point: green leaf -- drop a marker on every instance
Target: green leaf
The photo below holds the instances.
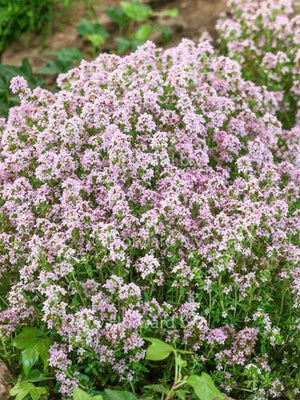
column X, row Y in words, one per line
column 35, row 346
column 143, row 32
column 66, row 59
column 136, row 11
column 123, row 45
column 180, row 362
column 117, row 16
column 182, row 394
column 52, row 68
column 23, row 389
column 96, row 40
column 166, row 32
column 158, row 350
column 135, row 43
column 87, row 28
column 158, row 388
column 80, row 394
column 118, row 395
column 26, row 67
column 69, row 54
column 171, row 12
column 36, row 376
column 204, row 387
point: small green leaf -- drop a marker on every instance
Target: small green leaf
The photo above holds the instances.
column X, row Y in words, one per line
column 96, row 40
column 166, row 32
column 80, row 394
column 123, row 45
column 181, row 394
column 117, row 16
column 171, row 12
column 52, row 68
column 204, row 387
column 136, row 11
column 158, row 388
column 158, row 350
column 87, row 28
column 69, row 54
column 24, row 389
column 67, row 57
column 143, row 32
column 118, row 395
column 180, row 362
column 34, row 345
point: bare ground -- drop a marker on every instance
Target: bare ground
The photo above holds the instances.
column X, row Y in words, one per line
column 195, row 17
column 5, row 378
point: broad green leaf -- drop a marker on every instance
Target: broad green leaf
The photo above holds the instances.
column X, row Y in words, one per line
column 158, row 388
column 80, row 394
column 158, row 350
column 34, row 345
column 117, row 16
column 143, row 32
column 136, row 11
column 36, row 376
column 118, row 395
column 23, row 389
column 204, row 387
column 90, row 28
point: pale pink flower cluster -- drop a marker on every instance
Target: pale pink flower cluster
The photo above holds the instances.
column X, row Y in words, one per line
column 153, row 195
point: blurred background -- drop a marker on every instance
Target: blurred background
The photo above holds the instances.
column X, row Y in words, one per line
column 41, row 38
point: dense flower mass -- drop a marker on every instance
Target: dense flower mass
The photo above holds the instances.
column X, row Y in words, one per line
column 264, row 37
column 154, row 195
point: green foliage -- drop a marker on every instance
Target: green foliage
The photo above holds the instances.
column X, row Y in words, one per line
column 118, row 16
column 136, row 10
column 35, row 346
column 158, row 350
column 109, row 394
column 80, row 394
column 93, row 32
column 129, row 16
column 87, row 28
column 7, row 72
column 166, row 32
column 157, row 388
column 171, row 12
column 24, row 389
column 67, row 57
column 204, row 387
column 19, row 16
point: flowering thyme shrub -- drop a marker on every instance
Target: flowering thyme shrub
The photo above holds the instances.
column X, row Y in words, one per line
column 264, row 37
column 154, row 195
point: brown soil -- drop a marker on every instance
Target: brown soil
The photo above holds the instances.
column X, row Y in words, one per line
column 195, row 17
column 5, row 378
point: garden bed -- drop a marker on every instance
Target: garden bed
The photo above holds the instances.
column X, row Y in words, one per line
column 195, row 17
